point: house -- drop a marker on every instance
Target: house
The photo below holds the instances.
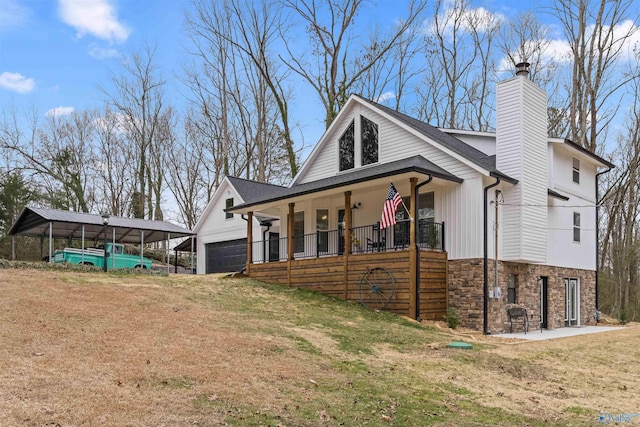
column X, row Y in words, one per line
column 489, row 221
column 221, row 244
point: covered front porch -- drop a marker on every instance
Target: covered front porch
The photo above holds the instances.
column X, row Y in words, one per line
column 326, row 236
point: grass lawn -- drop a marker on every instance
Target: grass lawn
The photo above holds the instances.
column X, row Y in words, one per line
column 95, row 349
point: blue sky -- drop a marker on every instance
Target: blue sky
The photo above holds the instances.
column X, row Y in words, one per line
column 56, row 54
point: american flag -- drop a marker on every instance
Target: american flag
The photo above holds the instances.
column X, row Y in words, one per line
column 390, row 207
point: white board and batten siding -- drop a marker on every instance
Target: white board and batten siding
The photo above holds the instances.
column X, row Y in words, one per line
column 460, row 209
column 521, row 153
column 214, row 227
column 395, row 143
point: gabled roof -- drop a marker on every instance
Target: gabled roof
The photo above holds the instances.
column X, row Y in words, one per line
column 246, row 189
column 444, row 139
column 34, row 221
column 253, row 190
column 416, row 164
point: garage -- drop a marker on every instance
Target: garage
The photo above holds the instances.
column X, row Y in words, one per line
column 225, row 257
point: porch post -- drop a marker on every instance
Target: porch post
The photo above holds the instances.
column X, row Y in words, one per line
column 413, row 252
column 290, row 241
column 347, row 241
column 249, row 242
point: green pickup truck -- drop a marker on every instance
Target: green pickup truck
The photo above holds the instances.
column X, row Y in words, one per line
column 116, row 258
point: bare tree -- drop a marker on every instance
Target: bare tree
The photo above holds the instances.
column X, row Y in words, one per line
column 117, row 173
column 237, row 33
column 60, row 154
column 338, row 62
column 597, row 37
column 459, row 49
column 185, row 162
column 139, row 99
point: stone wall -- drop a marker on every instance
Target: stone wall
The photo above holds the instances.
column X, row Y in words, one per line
column 465, row 293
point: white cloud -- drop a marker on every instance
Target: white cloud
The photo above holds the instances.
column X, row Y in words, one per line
column 103, row 53
column 95, row 17
column 12, row 14
column 466, row 20
column 17, row 82
column 558, row 51
column 385, row 97
column 59, row 111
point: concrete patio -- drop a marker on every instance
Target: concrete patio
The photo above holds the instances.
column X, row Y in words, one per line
column 547, row 334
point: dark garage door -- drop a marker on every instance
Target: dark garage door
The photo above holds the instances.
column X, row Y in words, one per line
column 225, row 257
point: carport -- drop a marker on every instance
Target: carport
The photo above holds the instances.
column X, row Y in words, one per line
column 59, row 224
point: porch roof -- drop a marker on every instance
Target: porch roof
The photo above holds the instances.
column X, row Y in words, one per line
column 415, row 164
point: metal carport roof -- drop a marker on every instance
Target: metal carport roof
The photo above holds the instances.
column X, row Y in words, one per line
column 35, row 221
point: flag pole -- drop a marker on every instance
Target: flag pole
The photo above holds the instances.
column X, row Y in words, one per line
column 408, row 211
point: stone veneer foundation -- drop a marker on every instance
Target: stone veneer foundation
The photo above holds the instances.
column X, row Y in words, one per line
column 465, row 293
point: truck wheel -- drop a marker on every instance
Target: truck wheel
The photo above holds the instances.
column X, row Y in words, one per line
column 144, row 267
column 45, row 259
column 87, row 263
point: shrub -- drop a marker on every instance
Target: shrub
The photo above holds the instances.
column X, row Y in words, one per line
column 452, row 318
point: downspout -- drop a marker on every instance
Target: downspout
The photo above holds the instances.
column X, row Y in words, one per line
column 267, row 224
column 597, row 314
column 485, row 287
column 417, row 233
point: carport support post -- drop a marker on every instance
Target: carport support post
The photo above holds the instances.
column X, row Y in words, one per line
column 50, row 241
column 290, row 241
column 168, row 254
column 113, row 259
column 249, row 242
column 142, row 247
column 13, row 248
column 347, row 241
column 191, row 264
column 82, row 244
column 413, row 251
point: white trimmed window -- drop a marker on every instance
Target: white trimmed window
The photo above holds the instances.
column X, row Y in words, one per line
column 576, row 171
column 228, row 204
column 576, row 227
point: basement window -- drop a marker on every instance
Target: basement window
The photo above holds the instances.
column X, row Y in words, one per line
column 512, row 285
column 576, row 171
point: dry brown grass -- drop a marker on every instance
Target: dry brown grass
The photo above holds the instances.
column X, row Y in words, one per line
column 92, row 349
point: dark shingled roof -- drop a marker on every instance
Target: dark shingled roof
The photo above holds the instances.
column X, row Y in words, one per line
column 34, row 221
column 454, row 144
column 413, row 164
column 251, row 191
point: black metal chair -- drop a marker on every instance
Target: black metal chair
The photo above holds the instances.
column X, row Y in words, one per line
column 377, row 246
column 518, row 314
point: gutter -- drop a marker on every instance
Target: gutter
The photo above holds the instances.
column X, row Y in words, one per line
column 416, row 232
column 485, row 286
column 597, row 314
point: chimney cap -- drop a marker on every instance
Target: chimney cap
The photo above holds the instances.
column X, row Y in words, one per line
column 522, row 68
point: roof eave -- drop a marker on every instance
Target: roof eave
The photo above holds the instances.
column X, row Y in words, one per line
column 503, row 177
column 593, row 156
column 409, row 169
